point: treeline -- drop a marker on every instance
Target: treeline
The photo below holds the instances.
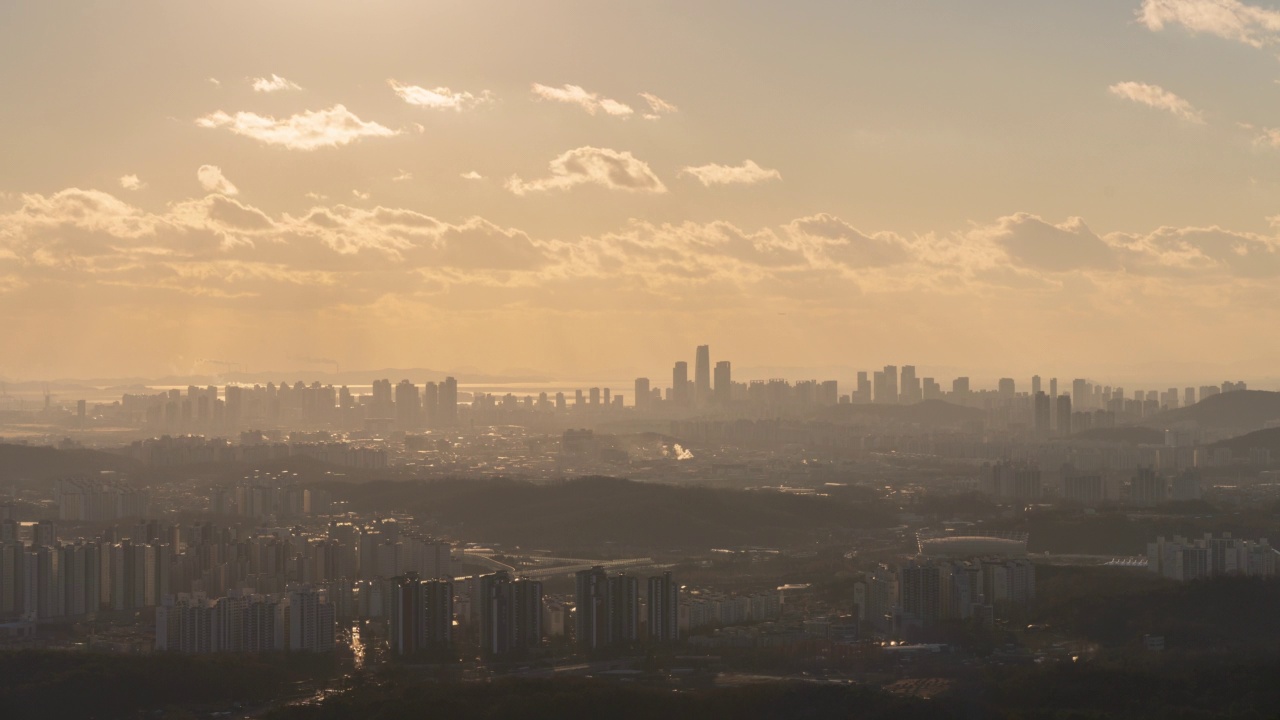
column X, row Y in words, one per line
column 41, row 684
column 586, row 512
column 570, row 698
column 1115, row 607
column 1172, row 687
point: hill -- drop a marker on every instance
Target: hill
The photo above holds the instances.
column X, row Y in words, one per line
column 1127, row 435
column 1268, row 439
column 586, row 512
column 1235, row 412
column 31, row 462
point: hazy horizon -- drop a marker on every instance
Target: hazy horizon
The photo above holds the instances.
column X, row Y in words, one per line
column 578, row 188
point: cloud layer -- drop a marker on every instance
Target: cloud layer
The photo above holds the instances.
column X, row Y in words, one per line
column 1158, row 98
column 308, row 130
column 1228, row 19
column 593, row 166
column 275, row 83
column 212, row 180
column 589, row 101
column 441, row 98
column 748, row 173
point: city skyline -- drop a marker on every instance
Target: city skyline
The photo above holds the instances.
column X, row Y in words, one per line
column 1057, row 186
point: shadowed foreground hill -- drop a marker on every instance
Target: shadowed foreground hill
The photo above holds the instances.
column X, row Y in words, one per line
column 1268, row 439
column 31, row 462
column 593, row 510
column 1237, row 412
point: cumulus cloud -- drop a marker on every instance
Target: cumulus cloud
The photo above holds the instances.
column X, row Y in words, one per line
column 360, row 195
column 848, row 246
column 472, row 175
column 593, row 166
column 1157, row 97
column 441, row 98
column 748, row 173
column 1269, row 137
column 1228, row 19
column 657, row 106
column 589, row 101
column 1034, row 243
column 131, row 182
column 215, row 82
column 212, row 180
column 275, row 83
column 402, row 176
column 307, row 130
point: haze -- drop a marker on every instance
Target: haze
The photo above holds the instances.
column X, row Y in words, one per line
column 576, row 186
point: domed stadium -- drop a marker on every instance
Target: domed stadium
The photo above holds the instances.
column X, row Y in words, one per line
column 963, row 546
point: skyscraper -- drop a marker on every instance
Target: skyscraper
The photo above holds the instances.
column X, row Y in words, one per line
column 702, row 375
column 510, row 613
column 680, row 383
column 449, row 402
column 663, row 609
column 724, row 383
column 890, row 380
column 910, row 392
column 642, row 394
column 1042, row 413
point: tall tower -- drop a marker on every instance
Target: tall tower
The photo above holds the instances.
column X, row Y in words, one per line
column 680, row 383
column 702, row 375
column 642, row 393
column 724, row 383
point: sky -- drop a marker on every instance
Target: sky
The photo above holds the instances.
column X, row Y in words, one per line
column 590, row 187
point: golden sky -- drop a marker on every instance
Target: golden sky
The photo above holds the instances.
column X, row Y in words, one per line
column 575, row 188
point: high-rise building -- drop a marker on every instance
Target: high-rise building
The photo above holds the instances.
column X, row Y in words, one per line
column 724, row 383
column 642, row 394
column 408, row 405
column 890, row 383
column 1147, row 488
column 1035, row 385
column 1062, row 409
column 608, row 609
column 510, row 614
column 702, row 375
column 863, row 394
column 910, row 392
column 311, row 620
column 1042, row 413
column 663, row 609
column 680, row 383
column 421, row 615
column 1006, row 388
column 448, row 411
column 960, row 389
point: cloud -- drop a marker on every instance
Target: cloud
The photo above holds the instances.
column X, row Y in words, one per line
column 212, row 180
column 1270, row 137
column 215, row 82
column 1227, row 19
column 275, row 83
column 593, row 166
column 748, row 173
column 472, row 175
column 589, row 101
column 1157, row 97
column 1033, row 243
column 845, row 245
column 360, row 195
column 403, row 176
column 307, row 130
column 658, row 105
column 131, row 182
column 441, row 98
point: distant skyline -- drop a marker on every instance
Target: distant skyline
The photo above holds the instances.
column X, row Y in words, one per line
column 582, row 188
